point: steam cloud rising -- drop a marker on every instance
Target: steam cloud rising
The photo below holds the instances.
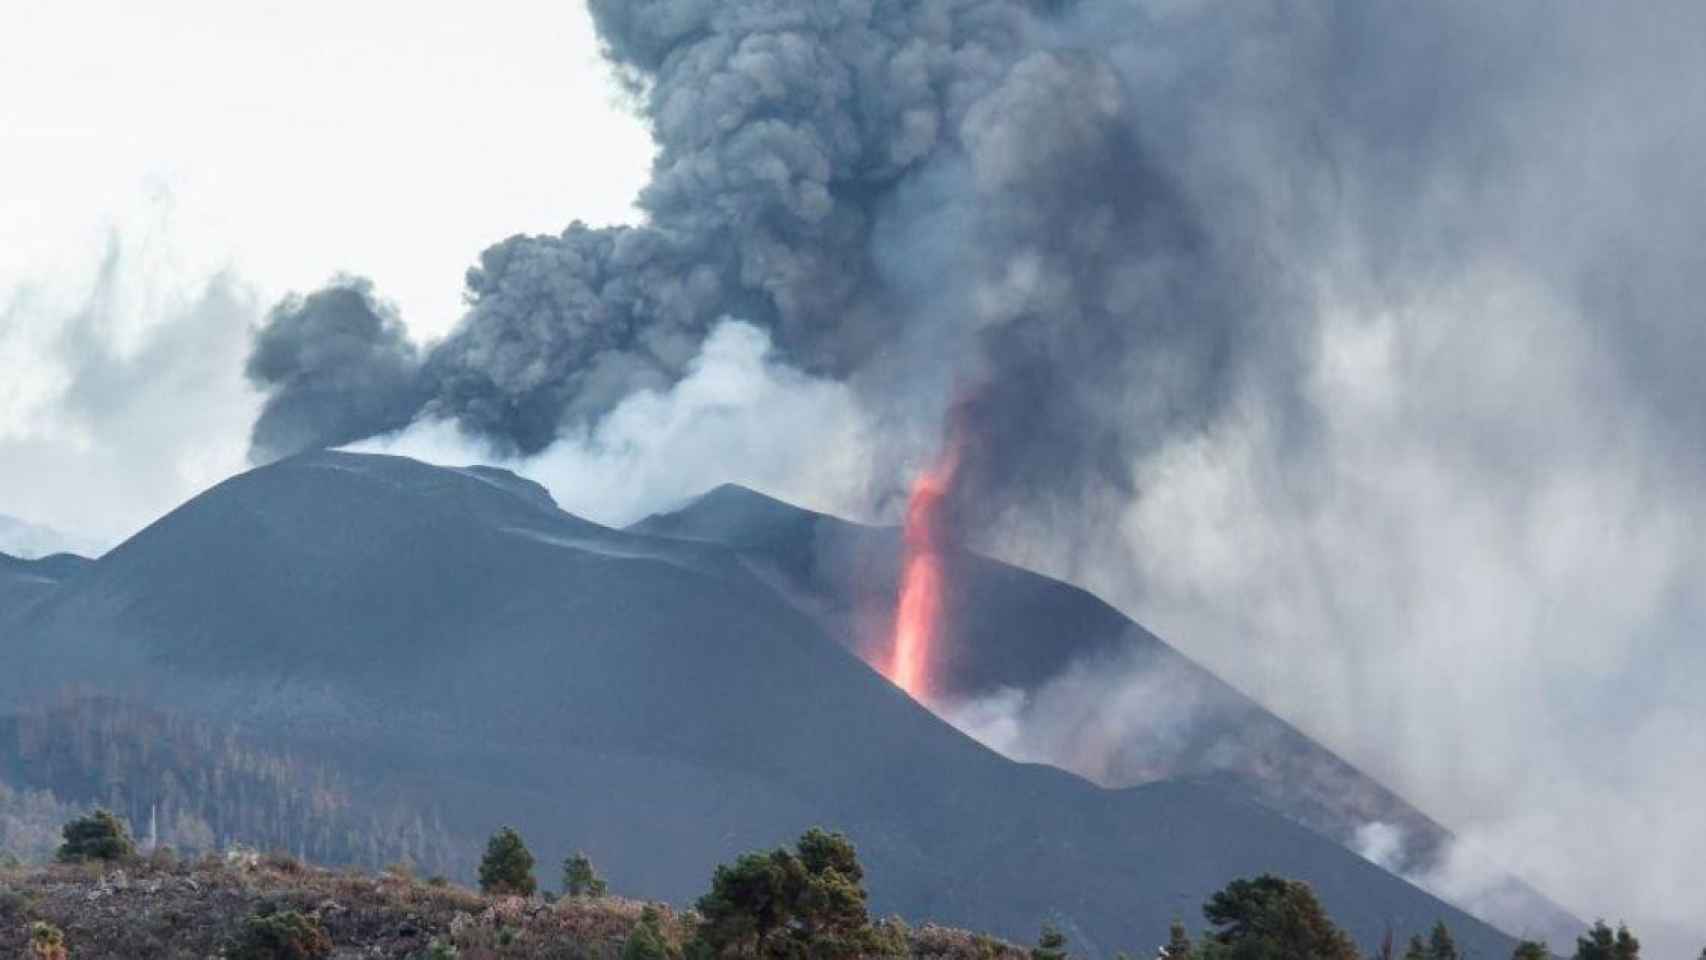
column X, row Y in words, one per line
column 1353, row 345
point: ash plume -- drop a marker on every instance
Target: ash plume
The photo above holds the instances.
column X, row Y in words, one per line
column 1352, row 344
column 338, row 367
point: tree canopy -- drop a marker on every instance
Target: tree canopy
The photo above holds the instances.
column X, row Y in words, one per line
column 1272, row 918
column 1601, row 943
column 99, row 836
column 805, row 902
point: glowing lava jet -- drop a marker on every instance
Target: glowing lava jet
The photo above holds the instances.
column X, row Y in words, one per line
column 918, row 611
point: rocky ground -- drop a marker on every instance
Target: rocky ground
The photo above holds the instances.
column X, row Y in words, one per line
column 166, row 909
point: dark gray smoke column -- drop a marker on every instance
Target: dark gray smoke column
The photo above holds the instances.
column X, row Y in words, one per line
column 869, row 182
column 339, row 368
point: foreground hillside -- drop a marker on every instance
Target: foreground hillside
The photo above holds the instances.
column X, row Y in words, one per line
column 453, row 651
column 162, row 908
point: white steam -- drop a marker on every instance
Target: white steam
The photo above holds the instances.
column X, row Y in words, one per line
column 737, row 416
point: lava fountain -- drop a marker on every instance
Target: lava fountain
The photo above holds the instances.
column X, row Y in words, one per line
column 918, row 610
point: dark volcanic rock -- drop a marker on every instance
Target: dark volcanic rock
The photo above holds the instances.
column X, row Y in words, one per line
column 662, row 703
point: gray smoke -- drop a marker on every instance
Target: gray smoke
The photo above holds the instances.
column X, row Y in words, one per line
column 1352, row 343
column 881, row 187
column 339, row 367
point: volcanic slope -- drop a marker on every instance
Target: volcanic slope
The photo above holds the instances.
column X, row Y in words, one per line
column 23, row 582
column 1074, row 682
column 453, row 637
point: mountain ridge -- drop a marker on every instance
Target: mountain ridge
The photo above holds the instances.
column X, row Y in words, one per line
column 484, row 655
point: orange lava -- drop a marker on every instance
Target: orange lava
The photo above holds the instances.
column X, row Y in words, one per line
column 918, row 613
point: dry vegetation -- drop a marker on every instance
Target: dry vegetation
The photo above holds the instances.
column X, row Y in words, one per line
column 166, row 908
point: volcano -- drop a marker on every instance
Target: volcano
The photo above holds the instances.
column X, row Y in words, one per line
column 663, row 697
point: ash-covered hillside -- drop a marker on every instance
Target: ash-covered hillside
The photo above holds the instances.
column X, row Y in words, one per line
column 449, row 640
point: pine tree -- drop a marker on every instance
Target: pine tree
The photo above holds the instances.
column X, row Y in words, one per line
column 1532, row 950
column 1272, row 917
column 1051, row 945
column 507, row 867
column 581, row 879
column 1601, row 943
column 645, row 941
column 1179, row 946
column 1417, row 950
column 1441, row 946
column 789, row 903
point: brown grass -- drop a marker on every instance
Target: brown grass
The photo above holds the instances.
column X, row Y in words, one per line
column 165, row 909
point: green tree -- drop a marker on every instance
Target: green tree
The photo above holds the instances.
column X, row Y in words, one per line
column 1051, row 945
column 1272, row 918
column 99, row 836
column 507, row 867
column 809, row 902
column 1601, row 943
column 646, row 940
column 1417, row 950
column 1532, row 950
column 581, row 879
column 1441, row 945
column 282, row 936
column 1179, row 946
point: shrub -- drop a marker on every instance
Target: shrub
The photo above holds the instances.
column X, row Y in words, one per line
column 580, row 879
column 47, row 942
column 283, row 862
column 282, row 936
column 507, row 867
column 14, row 906
column 1051, row 945
column 99, row 836
column 645, row 941
column 1179, row 946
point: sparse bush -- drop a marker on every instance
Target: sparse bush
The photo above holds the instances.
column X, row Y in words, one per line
column 1051, row 945
column 442, row 950
column 646, row 941
column 891, row 937
column 581, row 879
column 163, row 859
column 99, row 836
column 282, row 936
column 1179, row 946
column 507, row 867
column 14, row 906
column 283, row 862
column 47, row 942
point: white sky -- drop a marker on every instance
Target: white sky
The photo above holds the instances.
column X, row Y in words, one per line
column 284, row 142
column 297, row 139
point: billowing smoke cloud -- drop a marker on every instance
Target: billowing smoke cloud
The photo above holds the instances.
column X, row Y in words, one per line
column 339, row 366
column 1350, row 343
